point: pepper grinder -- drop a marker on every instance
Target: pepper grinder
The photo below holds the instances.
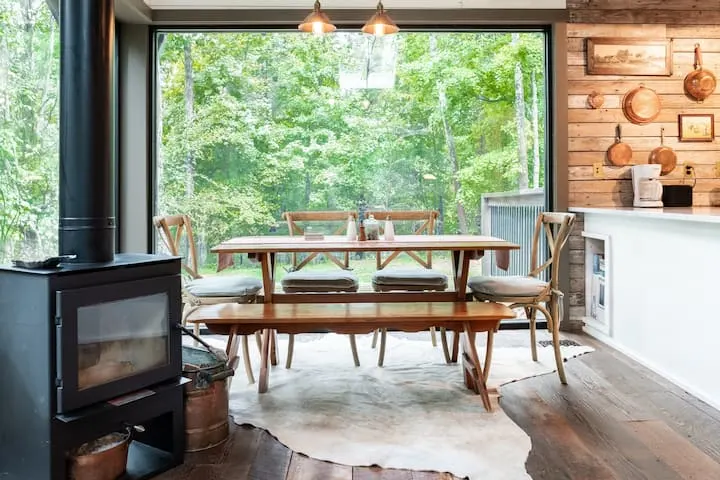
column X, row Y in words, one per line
column 361, row 233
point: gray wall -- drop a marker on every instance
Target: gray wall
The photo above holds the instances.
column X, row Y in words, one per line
column 134, row 168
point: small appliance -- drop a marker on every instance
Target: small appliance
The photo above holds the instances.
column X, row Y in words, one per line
column 647, row 189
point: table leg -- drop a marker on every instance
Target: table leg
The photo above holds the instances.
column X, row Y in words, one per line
column 474, row 375
column 461, row 272
column 267, row 263
column 264, row 357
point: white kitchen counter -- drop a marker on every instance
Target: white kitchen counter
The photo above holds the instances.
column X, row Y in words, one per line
column 662, row 286
column 691, row 214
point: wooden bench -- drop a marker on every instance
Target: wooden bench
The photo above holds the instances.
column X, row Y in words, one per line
column 461, row 317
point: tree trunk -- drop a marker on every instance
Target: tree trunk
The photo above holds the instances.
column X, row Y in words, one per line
column 189, row 118
column 536, row 134
column 520, row 121
column 159, row 157
column 450, row 142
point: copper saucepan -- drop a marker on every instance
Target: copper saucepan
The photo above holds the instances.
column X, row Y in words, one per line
column 699, row 83
column 665, row 156
column 619, row 153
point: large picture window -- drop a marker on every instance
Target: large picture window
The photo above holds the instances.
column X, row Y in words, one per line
column 29, row 111
column 253, row 124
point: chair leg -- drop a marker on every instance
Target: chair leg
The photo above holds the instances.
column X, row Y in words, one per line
column 383, row 339
column 553, row 326
column 258, row 340
column 273, row 348
column 433, row 337
column 291, row 349
column 444, row 342
column 246, row 359
column 531, row 314
column 353, row 347
column 375, row 339
column 488, row 354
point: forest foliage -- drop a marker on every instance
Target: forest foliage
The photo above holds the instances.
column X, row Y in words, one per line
column 251, row 124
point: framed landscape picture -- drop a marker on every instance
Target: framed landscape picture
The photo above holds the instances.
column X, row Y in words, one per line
column 629, row 56
column 696, row 127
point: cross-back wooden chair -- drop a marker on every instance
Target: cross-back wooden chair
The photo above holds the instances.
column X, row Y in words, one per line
column 426, row 220
column 416, row 279
column 297, row 281
column 198, row 290
column 530, row 292
column 294, row 229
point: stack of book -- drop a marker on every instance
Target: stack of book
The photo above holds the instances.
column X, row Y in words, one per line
column 597, row 296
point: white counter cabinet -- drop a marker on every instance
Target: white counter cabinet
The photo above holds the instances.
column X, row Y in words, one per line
column 663, row 290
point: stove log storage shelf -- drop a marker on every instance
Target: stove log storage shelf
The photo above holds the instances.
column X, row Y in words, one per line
column 58, row 323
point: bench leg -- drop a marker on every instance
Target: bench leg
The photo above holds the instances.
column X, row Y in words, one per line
column 474, row 375
column 375, row 338
column 264, row 358
column 433, row 337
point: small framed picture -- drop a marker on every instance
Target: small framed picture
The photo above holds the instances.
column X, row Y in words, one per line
column 629, row 56
column 696, row 127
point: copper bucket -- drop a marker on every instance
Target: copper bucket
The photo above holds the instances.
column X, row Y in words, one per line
column 101, row 459
column 206, row 397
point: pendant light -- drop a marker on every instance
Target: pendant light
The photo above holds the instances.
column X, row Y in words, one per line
column 316, row 22
column 380, row 24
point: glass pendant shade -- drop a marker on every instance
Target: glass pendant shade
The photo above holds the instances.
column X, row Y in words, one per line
column 380, row 23
column 317, row 22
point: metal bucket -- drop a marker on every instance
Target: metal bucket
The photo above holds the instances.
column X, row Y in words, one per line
column 206, row 397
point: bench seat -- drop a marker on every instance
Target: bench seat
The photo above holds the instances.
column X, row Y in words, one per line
column 466, row 317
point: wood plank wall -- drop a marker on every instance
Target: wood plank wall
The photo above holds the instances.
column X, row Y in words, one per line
column 591, row 132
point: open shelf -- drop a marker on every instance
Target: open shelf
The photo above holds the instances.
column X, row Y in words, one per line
column 597, row 283
column 146, row 462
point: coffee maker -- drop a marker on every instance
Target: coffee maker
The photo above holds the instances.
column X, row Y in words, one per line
column 647, row 189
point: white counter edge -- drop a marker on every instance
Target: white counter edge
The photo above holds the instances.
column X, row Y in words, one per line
column 686, row 214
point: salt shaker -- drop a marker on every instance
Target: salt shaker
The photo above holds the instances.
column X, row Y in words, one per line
column 389, row 230
column 351, row 229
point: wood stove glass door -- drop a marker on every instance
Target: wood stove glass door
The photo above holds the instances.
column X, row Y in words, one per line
column 114, row 339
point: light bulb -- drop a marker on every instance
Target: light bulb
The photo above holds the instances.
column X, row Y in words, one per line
column 317, row 28
column 379, row 29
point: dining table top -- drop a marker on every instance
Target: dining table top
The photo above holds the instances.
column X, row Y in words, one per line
column 339, row 243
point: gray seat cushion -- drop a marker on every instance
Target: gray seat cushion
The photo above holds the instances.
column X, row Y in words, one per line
column 510, row 286
column 414, row 279
column 309, row 282
column 224, row 286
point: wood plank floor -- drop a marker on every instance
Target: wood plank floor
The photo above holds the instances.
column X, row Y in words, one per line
column 615, row 420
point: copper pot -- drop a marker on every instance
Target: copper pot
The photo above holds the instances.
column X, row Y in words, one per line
column 641, row 105
column 102, row 459
column 699, row 83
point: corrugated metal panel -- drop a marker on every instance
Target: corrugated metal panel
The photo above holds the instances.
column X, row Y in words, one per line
column 515, row 223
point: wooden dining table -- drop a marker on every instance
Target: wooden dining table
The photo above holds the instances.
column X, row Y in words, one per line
column 463, row 248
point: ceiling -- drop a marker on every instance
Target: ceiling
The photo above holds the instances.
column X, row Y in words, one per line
column 286, row 12
column 353, row 4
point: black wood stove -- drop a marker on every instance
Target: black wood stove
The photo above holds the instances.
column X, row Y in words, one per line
column 90, row 347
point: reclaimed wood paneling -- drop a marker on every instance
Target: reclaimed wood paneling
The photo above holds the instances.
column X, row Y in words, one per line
column 592, row 131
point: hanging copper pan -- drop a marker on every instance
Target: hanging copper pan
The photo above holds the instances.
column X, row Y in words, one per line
column 665, row 156
column 699, row 83
column 619, row 153
column 641, row 105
